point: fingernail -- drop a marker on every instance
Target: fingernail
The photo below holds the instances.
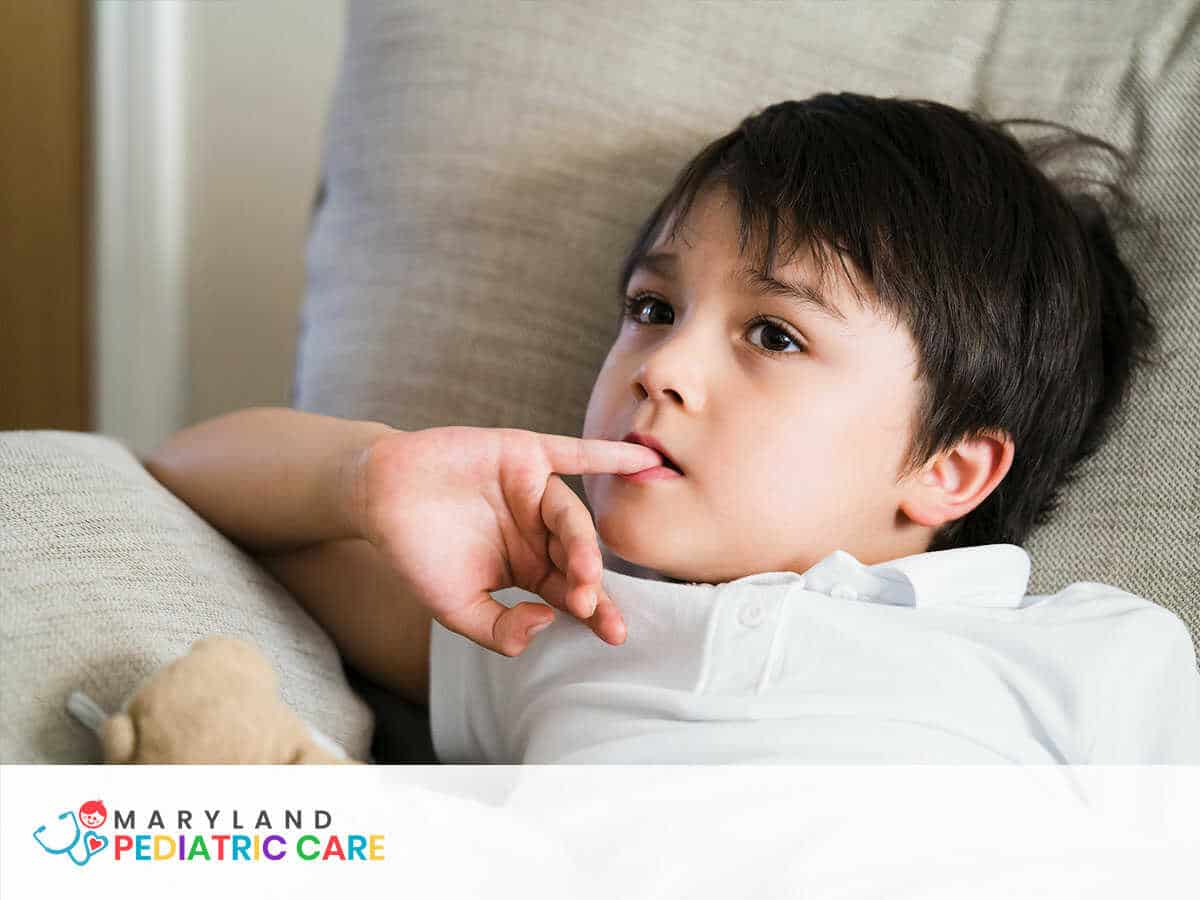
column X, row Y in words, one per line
column 535, row 629
column 592, row 605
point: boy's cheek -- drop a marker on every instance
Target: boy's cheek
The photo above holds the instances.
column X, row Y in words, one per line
column 589, row 490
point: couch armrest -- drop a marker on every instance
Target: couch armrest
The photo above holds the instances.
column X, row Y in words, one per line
column 105, row 576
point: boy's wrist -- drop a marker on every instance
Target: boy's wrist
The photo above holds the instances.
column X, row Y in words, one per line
column 350, row 497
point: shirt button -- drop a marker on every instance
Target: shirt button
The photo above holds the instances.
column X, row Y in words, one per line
column 843, row 592
column 751, row 615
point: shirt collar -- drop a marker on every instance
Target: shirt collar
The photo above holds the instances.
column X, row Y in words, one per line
column 988, row 575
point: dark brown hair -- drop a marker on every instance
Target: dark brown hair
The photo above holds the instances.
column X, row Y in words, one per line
column 1006, row 272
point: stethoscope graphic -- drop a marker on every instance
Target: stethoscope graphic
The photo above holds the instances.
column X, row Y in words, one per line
column 73, row 847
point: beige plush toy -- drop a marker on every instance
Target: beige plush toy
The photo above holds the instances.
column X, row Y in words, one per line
column 219, row 703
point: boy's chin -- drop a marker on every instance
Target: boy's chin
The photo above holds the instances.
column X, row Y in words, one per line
column 634, row 569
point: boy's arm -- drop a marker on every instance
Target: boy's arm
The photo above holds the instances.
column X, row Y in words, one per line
column 271, row 479
column 350, row 589
column 276, row 481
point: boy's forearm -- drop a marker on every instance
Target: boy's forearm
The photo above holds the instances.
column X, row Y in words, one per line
column 271, row 479
column 357, row 597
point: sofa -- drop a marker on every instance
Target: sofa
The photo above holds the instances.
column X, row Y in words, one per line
column 484, row 168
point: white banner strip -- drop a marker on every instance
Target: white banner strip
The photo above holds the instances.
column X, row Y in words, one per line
column 600, row 831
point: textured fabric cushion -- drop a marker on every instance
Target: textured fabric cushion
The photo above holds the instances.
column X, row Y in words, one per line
column 486, row 165
column 105, row 576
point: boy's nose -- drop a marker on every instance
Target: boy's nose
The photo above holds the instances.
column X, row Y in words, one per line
column 672, row 372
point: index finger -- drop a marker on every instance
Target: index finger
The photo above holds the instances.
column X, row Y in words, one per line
column 583, row 456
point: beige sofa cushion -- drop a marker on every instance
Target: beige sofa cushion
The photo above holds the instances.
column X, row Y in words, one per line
column 105, row 576
column 486, row 166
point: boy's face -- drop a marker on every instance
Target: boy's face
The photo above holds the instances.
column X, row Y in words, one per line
column 785, row 458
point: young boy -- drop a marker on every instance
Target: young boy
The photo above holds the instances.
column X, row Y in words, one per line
column 870, row 340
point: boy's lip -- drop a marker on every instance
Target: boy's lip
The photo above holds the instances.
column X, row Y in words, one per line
column 653, row 443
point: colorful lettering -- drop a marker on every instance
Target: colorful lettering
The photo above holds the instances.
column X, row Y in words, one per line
column 374, row 839
column 267, row 850
column 300, row 845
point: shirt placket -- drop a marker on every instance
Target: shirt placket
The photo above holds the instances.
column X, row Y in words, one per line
column 745, row 636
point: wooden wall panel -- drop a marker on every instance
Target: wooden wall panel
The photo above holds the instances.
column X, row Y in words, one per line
column 44, row 208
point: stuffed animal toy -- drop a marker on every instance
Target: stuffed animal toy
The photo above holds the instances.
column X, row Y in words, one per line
column 219, row 703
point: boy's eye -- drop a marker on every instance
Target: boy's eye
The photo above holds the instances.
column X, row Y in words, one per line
column 635, row 306
column 776, row 335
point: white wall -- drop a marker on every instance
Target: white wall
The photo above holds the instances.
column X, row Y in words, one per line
column 260, row 81
column 209, row 119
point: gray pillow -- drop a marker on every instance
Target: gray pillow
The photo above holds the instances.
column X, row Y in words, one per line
column 105, row 576
column 486, row 165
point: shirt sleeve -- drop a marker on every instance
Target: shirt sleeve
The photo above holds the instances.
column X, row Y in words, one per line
column 473, row 694
column 1150, row 711
column 462, row 731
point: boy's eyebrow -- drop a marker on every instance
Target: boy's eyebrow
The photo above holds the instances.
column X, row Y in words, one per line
column 666, row 265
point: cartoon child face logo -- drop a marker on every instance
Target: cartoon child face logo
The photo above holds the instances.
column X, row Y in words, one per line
column 63, row 836
column 93, row 814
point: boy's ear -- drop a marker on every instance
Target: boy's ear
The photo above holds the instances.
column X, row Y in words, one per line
column 957, row 480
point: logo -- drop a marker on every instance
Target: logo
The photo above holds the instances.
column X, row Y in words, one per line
column 228, row 837
column 69, row 839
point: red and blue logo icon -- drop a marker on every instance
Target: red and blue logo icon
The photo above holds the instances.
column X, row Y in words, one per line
column 67, row 835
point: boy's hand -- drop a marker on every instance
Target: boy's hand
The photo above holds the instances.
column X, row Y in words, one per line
column 461, row 511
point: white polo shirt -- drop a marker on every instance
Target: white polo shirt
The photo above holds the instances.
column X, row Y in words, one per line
column 939, row 657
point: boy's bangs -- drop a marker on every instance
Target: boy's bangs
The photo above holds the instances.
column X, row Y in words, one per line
column 812, row 191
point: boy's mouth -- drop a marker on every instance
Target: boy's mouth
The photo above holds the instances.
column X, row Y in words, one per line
column 648, row 441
